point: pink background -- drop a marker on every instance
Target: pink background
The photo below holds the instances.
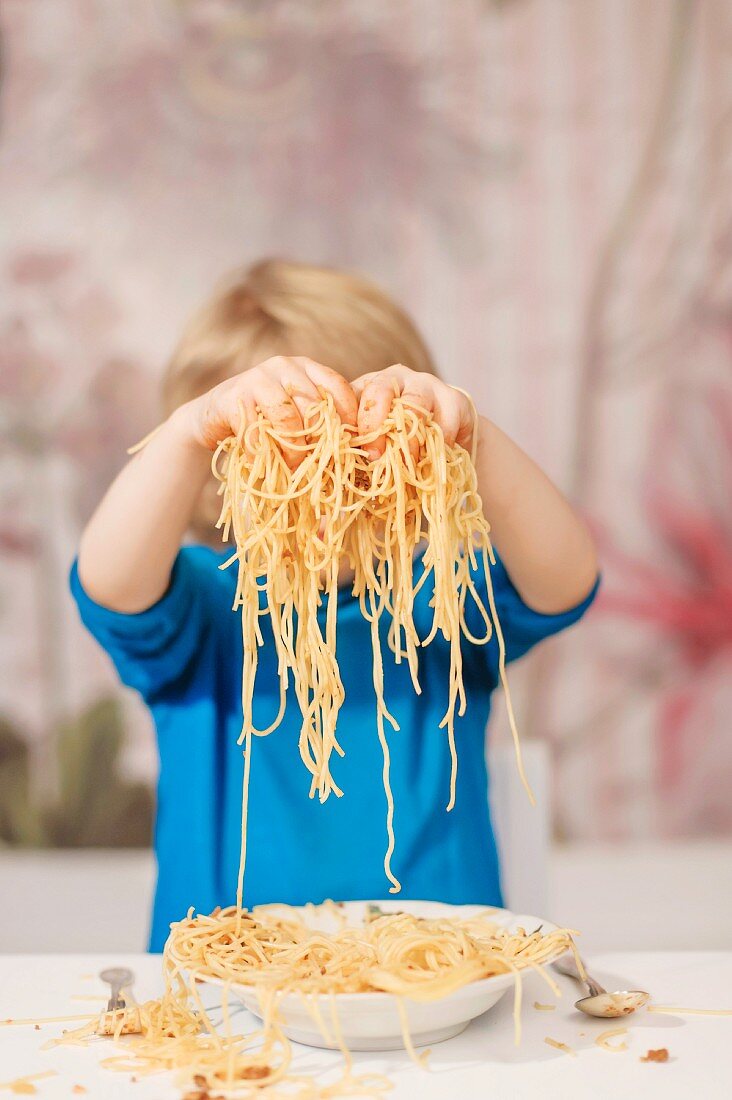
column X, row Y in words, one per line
column 545, row 185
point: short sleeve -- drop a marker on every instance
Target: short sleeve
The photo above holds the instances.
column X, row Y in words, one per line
column 522, row 627
column 156, row 647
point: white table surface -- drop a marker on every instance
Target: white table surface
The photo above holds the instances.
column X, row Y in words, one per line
column 482, row 1062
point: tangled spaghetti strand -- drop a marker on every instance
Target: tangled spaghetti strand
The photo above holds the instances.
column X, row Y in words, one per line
column 294, row 530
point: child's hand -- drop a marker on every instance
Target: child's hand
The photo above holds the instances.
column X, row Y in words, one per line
column 284, row 388
column 450, row 408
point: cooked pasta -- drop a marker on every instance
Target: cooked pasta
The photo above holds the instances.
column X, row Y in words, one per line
column 295, row 529
column 603, row 1039
column 294, row 532
column 274, row 951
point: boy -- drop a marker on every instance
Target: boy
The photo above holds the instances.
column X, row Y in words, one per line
column 164, row 613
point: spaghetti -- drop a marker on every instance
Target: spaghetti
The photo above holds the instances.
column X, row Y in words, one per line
column 295, row 530
column 273, row 950
column 603, row 1039
column 559, row 1045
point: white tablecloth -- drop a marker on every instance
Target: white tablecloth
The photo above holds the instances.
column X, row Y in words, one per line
column 482, row 1062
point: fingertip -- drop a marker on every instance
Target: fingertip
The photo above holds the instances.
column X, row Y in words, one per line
column 344, row 398
column 349, row 413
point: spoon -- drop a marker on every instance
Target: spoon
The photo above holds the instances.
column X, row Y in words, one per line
column 601, row 1003
column 118, row 978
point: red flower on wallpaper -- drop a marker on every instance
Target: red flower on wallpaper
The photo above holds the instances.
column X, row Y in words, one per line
column 685, row 597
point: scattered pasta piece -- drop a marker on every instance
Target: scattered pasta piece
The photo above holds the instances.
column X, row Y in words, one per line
column 37, row 1021
column 543, row 1008
column 602, row 1040
column 560, row 1046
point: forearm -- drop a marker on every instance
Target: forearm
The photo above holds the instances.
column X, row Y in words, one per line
column 546, row 547
column 129, row 545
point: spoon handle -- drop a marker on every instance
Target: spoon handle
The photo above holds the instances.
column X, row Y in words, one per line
column 567, row 965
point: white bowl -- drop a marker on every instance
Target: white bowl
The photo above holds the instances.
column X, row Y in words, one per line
column 370, row 1021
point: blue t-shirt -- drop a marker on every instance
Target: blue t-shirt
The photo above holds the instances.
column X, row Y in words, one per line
column 184, row 656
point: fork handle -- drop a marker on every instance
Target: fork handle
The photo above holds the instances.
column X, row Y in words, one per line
column 115, row 1001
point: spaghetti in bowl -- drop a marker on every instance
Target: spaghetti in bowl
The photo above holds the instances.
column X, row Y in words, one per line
column 365, row 975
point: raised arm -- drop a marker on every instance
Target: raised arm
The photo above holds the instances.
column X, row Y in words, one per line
column 130, row 544
column 544, row 544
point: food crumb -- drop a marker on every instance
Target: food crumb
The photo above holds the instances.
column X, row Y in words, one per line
column 78, row 1090
column 543, row 1008
column 660, row 1055
column 36, row 1027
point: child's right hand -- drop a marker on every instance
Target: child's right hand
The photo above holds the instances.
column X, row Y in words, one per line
column 284, row 388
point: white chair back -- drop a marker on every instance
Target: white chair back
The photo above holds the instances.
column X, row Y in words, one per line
column 522, row 830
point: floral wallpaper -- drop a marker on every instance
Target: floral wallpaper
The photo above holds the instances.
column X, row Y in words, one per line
column 544, row 185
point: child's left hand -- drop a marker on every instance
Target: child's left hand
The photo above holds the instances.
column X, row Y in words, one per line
column 451, row 409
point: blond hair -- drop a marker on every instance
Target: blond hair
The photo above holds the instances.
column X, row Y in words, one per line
column 279, row 307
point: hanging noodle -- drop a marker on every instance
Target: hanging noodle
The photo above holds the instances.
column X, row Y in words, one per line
column 294, row 530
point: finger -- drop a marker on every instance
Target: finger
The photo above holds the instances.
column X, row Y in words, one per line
column 468, row 426
column 359, row 384
column 298, row 386
column 419, row 394
column 374, row 407
column 448, row 414
column 279, row 408
column 248, row 407
column 344, row 398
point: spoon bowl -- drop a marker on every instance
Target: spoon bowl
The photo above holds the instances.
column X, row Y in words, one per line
column 612, row 1005
column 600, row 1003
